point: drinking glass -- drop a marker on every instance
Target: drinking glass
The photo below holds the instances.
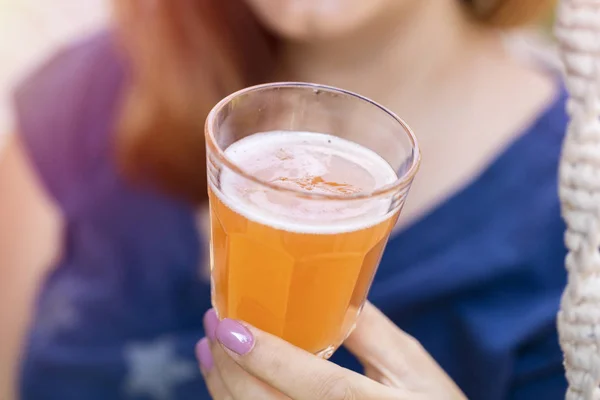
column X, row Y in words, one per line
column 303, row 276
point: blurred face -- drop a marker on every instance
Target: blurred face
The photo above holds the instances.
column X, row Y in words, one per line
column 321, row 19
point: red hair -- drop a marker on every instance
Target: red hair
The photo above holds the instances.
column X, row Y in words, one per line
column 185, row 55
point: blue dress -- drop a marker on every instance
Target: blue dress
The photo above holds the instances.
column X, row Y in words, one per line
column 477, row 281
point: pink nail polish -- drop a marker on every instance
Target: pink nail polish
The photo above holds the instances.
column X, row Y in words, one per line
column 235, row 336
column 210, row 324
column 204, row 355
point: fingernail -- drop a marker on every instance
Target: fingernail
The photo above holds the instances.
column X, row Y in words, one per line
column 204, row 355
column 235, row 336
column 210, row 324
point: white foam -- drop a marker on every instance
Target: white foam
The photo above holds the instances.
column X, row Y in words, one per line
column 278, row 156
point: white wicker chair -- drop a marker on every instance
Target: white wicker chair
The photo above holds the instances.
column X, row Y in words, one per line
column 578, row 33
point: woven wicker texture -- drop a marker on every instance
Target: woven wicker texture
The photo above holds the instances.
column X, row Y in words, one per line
column 578, row 33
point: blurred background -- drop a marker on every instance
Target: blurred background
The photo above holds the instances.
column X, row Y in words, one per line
column 31, row 31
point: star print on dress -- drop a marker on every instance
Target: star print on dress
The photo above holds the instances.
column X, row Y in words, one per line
column 155, row 370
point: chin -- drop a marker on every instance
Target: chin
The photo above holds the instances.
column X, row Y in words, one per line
column 307, row 20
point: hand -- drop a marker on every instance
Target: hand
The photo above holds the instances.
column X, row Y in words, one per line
column 240, row 362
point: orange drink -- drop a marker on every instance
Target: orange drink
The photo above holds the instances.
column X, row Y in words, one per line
column 299, row 221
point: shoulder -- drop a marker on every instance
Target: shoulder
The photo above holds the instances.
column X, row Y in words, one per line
column 551, row 125
column 65, row 113
column 530, row 212
column 533, row 162
column 535, row 56
column 533, row 159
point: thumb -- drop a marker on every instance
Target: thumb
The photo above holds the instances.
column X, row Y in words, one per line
column 393, row 357
column 388, row 353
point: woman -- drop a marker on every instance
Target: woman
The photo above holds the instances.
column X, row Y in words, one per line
column 105, row 177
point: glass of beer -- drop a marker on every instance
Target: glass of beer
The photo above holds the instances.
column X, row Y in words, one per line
column 306, row 183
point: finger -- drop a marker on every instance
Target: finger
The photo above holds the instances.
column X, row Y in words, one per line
column 216, row 387
column 240, row 383
column 237, row 382
column 292, row 371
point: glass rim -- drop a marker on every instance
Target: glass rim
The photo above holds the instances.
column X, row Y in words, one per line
column 400, row 183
